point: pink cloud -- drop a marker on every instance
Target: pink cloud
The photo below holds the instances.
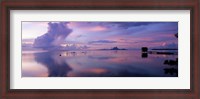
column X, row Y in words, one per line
column 97, row 28
column 72, row 24
column 84, row 27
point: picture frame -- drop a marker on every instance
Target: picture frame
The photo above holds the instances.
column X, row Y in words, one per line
column 7, row 6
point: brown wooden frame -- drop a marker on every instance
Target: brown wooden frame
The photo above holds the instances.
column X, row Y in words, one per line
column 7, row 5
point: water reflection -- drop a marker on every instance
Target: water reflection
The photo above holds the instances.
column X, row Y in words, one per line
column 172, row 70
column 56, row 68
column 144, row 55
column 123, row 63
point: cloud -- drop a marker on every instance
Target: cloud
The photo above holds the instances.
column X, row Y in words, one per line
column 167, row 45
column 132, row 24
column 89, row 26
column 102, row 41
column 79, row 36
column 170, row 45
column 57, row 32
column 74, row 47
column 97, row 28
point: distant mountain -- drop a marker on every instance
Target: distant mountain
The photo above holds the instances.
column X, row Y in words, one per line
column 115, row 48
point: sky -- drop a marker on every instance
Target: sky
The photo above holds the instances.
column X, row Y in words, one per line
column 101, row 35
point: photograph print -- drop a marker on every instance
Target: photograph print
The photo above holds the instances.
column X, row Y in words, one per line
column 99, row 49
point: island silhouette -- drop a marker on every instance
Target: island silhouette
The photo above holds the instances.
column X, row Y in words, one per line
column 115, row 48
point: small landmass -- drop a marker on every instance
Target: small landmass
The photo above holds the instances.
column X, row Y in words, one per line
column 115, row 48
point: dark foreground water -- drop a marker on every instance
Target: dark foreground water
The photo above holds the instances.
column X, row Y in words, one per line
column 105, row 63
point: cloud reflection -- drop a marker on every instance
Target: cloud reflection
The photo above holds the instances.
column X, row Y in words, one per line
column 55, row 68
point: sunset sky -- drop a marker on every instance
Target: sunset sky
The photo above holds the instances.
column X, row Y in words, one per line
column 100, row 35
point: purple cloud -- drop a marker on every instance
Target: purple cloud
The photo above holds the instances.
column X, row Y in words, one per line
column 56, row 34
column 102, row 41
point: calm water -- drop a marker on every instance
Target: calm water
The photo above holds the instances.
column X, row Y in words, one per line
column 109, row 63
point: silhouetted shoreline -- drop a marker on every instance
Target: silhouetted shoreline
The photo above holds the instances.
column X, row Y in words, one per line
column 164, row 49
